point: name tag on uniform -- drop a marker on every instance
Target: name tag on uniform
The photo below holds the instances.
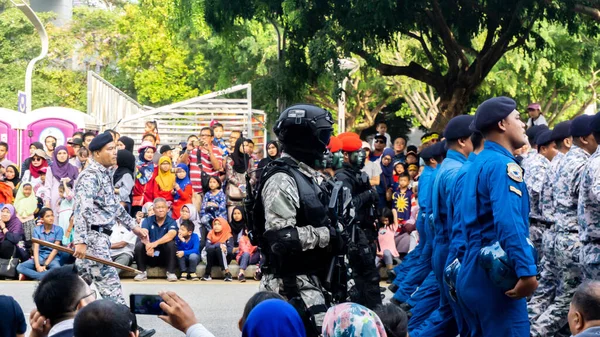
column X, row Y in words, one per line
column 516, row 190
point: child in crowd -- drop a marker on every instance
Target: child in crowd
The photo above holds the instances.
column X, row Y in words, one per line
column 82, row 158
column 246, row 254
column 213, row 206
column 399, row 168
column 40, row 188
column 165, row 180
column 189, row 212
column 182, row 192
column 219, row 246
column 188, row 250
column 394, row 319
column 405, row 245
column 67, row 241
column 413, row 173
column 44, row 258
column 65, row 204
column 151, row 127
column 387, row 246
column 402, row 207
column 26, row 205
column 219, row 141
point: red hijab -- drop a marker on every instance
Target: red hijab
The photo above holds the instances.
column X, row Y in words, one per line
column 35, row 171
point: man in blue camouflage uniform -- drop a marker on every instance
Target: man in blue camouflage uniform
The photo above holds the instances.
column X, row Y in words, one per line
column 588, row 210
column 567, row 244
column 544, row 295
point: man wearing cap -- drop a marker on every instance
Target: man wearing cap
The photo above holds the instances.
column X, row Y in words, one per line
column 378, row 147
column 535, row 115
column 365, row 275
column 96, row 209
column 550, row 318
column 495, row 208
column 165, row 150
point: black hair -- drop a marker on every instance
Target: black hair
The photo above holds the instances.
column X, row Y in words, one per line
column 88, row 134
column 238, row 131
column 477, row 139
column 248, row 140
column 103, row 318
column 560, row 143
column 255, row 300
column 379, row 123
column 404, row 175
column 596, row 136
column 83, row 150
column 393, row 318
column 215, row 178
column 207, row 128
column 78, row 133
column 587, row 300
column 69, row 185
column 190, row 137
column 187, row 224
column 217, row 125
column 5, row 145
column 43, row 211
column 149, row 135
column 387, row 213
column 58, row 293
column 153, row 123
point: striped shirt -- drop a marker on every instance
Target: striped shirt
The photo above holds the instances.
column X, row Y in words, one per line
column 196, row 173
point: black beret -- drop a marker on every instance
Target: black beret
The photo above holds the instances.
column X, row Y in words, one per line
column 596, row 122
column 535, row 130
column 427, row 153
column 458, row 127
column 544, row 137
column 492, row 111
column 561, row 130
column 581, row 126
column 440, row 149
column 100, row 141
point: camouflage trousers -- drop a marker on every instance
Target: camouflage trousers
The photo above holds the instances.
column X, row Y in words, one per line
column 554, row 318
column 310, row 293
column 590, row 261
column 544, row 294
column 105, row 278
column 536, row 233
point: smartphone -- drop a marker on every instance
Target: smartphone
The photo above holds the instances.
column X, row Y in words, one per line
column 141, row 304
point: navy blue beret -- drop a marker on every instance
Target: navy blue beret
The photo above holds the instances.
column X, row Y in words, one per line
column 439, row 149
column 458, row 127
column 561, row 130
column 492, row 111
column 100, row 141
column 427, row 153
column 544, row 137
column 581, row 126
column 596, row 122
column 535, row 130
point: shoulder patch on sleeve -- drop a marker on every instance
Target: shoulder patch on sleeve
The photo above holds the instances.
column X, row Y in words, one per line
column 515, row 172
column 516, row 190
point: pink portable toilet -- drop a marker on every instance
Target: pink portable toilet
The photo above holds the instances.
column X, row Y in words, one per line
column 58, row 122
column 9, row 123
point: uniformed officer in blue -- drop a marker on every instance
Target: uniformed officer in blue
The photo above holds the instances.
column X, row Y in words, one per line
column 495, row 208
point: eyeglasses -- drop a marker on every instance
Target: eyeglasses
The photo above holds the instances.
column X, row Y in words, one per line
column 379, row 141
column 86, row 296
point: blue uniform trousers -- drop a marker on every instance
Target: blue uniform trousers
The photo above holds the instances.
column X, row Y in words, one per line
column 424, row 301
column 407, row 264
column 418, row 274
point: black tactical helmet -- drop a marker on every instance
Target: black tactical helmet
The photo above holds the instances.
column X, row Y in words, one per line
column 304, row 128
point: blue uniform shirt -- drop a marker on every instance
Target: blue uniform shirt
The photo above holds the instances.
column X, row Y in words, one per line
column 457, row 236
column 495, row 206
column 425, row 188
column 155, row 232
column 55, row 234
column 444, row 181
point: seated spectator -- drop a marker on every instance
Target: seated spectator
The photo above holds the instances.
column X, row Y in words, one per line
column 25, row 165
column 160, row 248
column 148, row 209
column 180, row 316
column 238, row 224
column 11, row 233
column 246, row 254
column 182, row 192
column 105, row 318
column 32, row 173
column 188, row 250
column 413, row 172
column 387, row 246
column 219, row 248
column 166, row 151
column 44, row 258
column 394, row 319
column 65, row 204
column 273, row 153
column 143, row 188
column 371, row 168
column 25, row 207
column 148, row 137
column 67, row 241
column 189, row 212
column 122, row 245
column 13, row 321
column 584, row 312
column 351, row 319
column 214, row 205
column 58, row 297
column 399, row 168
column 255, row 300
column 165, row 180
column 274, row 318
column 399, row 147
column 123, row 178
column 12, row 177
column 57, row 174
column 125, row 143
column 87, row 138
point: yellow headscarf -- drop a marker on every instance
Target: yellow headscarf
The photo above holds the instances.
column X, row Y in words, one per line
column 165, row 180
column 25, row 206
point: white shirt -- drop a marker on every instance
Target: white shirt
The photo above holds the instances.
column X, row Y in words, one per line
column 372, row 168
column 539, row 121
column 62, row 326
column 198, row 330
column 120, row 233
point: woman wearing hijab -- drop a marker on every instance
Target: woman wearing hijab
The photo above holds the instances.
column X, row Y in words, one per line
column 123, row 177
column 182, row 192
column 272, row 154
column 58, row 172
column 351, row 319
column 12, row 177
column 165, row 180
column 189, row 212
column 143, row 189
column 274, row 318
column 125, row 143
column 11, row 232
column 219, row 248
column 238, row 223
column 237, row 166
column 26, row 206
column 386, row 178
column 34, row 146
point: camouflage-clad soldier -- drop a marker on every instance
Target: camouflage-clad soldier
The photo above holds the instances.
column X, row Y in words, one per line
column 553, row 149
column 293, row 208
column 567, row 244
column 588, row 210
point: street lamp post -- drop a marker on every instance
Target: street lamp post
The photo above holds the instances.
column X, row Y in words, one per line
column 353, row 66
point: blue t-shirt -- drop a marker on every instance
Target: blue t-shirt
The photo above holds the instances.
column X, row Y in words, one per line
column 155, row 232
column 190, row 247
column 55, row 234
column 13, row 321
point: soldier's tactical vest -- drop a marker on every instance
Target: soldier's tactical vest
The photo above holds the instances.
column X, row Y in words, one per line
column 312, row 211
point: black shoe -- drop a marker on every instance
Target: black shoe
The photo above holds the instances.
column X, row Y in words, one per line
column 391, row 276
column 382, row 296
column 146, row 333
column 228, row 277
column 405, row 306
column 393, row 287
column 382, row 289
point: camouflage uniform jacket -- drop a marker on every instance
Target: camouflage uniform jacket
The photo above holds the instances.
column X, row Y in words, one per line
column 588, row 209
column 547, row 199
column 95, row 202
column 566, row 188
column 534, row 179
column 527, row 157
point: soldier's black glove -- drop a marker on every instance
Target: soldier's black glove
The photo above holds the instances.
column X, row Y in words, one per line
column 335, row 240
column 284, row 241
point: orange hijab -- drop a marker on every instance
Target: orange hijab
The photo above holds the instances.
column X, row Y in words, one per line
column 165, row 180
column 222, row 236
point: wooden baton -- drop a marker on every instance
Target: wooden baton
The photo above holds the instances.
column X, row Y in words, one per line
column 87, row 256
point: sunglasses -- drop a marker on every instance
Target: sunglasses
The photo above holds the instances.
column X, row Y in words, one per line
column 36, row 159
column 380, row 141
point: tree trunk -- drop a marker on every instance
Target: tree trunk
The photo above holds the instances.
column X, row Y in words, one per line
column 452, row 103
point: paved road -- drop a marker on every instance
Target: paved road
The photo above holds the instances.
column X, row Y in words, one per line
column 217, row 304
